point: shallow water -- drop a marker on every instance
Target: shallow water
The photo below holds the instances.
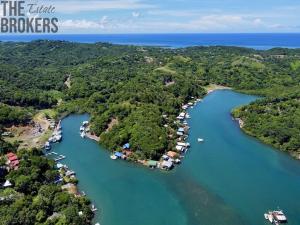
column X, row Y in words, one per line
column 229, row 179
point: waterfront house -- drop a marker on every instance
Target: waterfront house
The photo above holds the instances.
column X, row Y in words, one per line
column 181, row 129
column 172, row 154
column 179, row 148
column 182, row 114
column 185, row 107
column 12, row 161
column 70, row 173
column 127, row 153
column 183, row 144
column 179, row 133
column 167, row 165
column 165, row 157
column 118, row 154
column 152, row 163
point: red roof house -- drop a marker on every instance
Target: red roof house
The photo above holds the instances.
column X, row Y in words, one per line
column 12, row 161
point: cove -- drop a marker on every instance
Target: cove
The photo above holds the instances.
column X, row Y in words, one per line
column 229, row 179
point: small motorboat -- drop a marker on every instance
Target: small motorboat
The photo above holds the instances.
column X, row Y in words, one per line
column 93, row 208
column 85, row 123
column 200, row 140
column 113, row 157
column 82, row 134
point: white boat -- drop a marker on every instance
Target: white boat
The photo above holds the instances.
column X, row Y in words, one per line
column 270, row 218
column 82, row 134
column 82, row 128
column 47, row 146
column 200, row 140
column 276, row 217
column 93, row 208
column 279, row 216
column 85, row 123
column 58, row 137
column 113, row 157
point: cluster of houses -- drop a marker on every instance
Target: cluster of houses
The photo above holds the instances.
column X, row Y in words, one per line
column 124, row 154
column 68, row 178
column 65, row 174
column 170, row 158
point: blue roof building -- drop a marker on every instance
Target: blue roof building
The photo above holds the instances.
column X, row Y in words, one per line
column 181, row 129
column 126, row 146
column 118, row 154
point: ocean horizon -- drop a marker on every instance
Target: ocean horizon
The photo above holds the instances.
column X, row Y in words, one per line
column 259, row 41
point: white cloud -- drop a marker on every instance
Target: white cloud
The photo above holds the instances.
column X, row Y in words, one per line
column 216, row 22
column 181, row 13
column 83, row 24
column 75, row 6
column 257, row 21
column 206, row 23
column 136, row 14
column 209, row 23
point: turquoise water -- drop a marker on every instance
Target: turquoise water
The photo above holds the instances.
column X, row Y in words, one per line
column 229, row 179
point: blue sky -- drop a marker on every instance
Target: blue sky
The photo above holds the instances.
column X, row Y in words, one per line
column 179, row 16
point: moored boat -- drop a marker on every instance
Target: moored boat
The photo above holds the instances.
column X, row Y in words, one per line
column 276, row 217
column 200, row 140
column 113, row 157
column 93, row 208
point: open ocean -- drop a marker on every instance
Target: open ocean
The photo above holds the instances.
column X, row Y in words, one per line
column 256, row 41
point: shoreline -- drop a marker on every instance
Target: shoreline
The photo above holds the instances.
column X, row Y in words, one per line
column 213, row 87
column 41, row 118
column 92, row 137
column 241, row 124
column 145, row 162
column 179, row 155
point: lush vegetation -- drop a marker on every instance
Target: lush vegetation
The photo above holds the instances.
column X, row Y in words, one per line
column 275, row 120
column 130, row 93
column 134, row 86
column 35, row 199
column 14, row 115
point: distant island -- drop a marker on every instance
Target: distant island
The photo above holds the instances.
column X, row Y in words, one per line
column 135, row 96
